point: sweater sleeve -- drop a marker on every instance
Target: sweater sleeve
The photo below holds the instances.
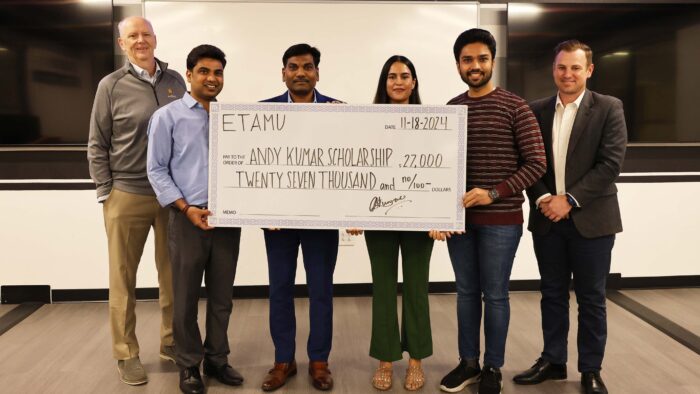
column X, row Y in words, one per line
column 532, row 159
column 100, row 141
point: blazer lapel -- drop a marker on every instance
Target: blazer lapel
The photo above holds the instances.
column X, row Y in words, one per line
column 547, row 122
column 581, row 121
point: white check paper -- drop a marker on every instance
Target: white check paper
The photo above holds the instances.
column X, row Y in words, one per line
column 328, row 166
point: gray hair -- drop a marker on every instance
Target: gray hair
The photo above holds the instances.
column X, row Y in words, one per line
column 126, row 20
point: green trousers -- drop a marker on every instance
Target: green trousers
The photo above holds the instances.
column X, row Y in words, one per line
column 415, row 338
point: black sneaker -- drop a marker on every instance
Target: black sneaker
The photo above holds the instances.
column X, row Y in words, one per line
column 464, row 374
column 491, row 381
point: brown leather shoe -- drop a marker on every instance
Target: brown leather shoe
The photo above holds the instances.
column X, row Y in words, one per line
column 320, row 375
column 277, row 376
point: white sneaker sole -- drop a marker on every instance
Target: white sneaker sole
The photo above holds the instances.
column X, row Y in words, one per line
column 132, row 382
column 461, row 387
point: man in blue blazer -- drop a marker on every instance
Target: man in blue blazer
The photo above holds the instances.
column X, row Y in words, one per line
column 574, row 215
column 319, row 249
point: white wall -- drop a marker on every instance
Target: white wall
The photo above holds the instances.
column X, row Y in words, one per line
column 355, row 39
column 57, row 238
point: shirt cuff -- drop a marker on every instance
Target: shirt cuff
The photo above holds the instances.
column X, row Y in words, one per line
column 102, row 199
column 577, row 205
column 540, row 198
column 167, row 198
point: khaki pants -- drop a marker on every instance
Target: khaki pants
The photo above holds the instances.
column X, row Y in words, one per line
column 128, row 218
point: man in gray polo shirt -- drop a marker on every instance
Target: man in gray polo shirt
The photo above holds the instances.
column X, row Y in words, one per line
column 124, row 103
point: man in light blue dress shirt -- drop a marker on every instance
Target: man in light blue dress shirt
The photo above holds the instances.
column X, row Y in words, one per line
column 178, row 154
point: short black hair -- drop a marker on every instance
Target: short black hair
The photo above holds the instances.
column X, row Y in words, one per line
column 474, row 35
column 205, row 51
column 299, row 50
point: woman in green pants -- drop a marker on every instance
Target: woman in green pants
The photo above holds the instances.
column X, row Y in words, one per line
column 398, row 84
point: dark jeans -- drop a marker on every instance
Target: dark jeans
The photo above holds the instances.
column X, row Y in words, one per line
column 195, row 253
column 482, row 259
column 561, row 253
column 320, row 250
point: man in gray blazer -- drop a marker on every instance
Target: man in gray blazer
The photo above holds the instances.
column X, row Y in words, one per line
column 574, row 214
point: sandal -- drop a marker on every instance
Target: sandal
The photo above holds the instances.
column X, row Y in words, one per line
column 382, row 378
column 415, row 378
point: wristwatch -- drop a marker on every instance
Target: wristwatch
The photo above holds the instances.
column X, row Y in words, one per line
column 493, row 194
column 571, row 201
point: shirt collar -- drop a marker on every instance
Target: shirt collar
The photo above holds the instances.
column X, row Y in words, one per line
column 576, row 102
column 189, row 101
column 144, row 74
column 289, row 97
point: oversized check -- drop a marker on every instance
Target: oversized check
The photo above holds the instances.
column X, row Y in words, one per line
column 327, row 166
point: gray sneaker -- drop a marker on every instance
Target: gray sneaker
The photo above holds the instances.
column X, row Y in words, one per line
column 131, row 371
column 167, row 353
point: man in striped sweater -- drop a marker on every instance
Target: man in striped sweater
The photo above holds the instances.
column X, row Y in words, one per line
column 505, row 155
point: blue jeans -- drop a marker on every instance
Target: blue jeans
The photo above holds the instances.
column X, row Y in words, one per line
column 482, row 259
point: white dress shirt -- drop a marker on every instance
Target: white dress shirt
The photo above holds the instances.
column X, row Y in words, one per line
column 564, row 116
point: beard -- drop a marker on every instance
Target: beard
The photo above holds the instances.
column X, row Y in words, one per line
column 486, row 77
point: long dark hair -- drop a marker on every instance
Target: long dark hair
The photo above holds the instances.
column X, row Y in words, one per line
column 381, row 97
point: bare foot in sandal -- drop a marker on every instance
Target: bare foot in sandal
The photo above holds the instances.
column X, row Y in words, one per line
column 383, row 376
column 415, row 378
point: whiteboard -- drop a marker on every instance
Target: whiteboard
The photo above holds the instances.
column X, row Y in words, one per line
column 355, row 39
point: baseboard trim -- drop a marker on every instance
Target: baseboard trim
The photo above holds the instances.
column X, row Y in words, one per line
column 262, row 291
column 20, row 294
column 660, row 282
column 17, row 294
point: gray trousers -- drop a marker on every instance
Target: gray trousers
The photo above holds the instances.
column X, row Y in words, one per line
column 195, row 253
